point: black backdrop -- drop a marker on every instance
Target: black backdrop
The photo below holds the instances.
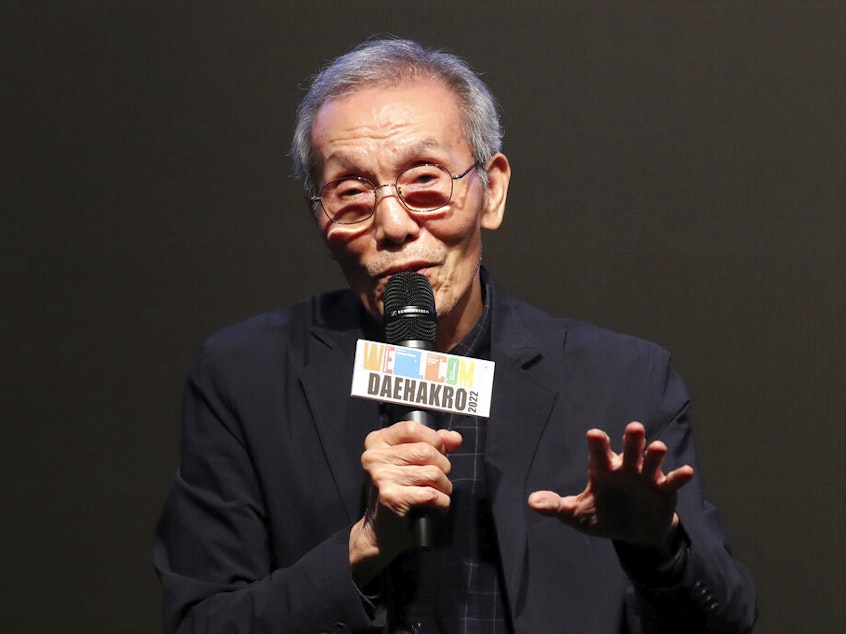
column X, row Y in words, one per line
column 678, row 174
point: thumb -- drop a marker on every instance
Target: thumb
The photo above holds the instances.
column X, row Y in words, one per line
column 549, row 503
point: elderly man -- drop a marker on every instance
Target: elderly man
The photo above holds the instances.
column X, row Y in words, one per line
column 292, row 505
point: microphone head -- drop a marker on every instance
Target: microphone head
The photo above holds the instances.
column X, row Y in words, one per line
column 409, row 309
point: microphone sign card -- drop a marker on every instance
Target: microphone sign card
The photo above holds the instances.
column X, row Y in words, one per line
column 422, row 379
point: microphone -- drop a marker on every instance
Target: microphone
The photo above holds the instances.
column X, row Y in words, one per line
column 410, row 320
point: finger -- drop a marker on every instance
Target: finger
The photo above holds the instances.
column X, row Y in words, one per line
column 423, row 454
column 402, row 488
column 599, row 448
column 408, row 454
column 423, row 476
column 653, row 460
column 401, row 499
column 406, row 431
column 451, row 440
column 677, row 478
column 634, row 440
column 387, row 476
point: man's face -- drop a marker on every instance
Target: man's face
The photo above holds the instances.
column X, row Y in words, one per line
column 377, row 133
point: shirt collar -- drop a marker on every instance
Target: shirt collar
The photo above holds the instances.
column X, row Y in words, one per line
column 477, row 342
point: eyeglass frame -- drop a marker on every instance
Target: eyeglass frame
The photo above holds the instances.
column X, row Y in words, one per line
column 395, row 185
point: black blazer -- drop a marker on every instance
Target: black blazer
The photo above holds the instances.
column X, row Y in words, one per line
column 254, row 535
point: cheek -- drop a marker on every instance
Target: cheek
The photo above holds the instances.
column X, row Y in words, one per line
column 462, row 229
column 342, row 244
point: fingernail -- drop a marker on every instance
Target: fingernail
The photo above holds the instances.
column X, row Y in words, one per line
column 539, row 501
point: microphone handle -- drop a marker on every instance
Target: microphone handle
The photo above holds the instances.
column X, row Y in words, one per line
column 421, row 522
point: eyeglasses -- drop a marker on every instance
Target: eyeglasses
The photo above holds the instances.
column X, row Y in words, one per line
column 421, row 189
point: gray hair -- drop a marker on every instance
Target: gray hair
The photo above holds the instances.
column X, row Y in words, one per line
column 394, row 62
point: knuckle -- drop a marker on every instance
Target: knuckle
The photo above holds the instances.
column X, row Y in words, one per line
column 373, row 438
column 432, row 497
column 406, row 427
column 430, row 474
column 368, row 460
column 389, row 494
column 418, row 454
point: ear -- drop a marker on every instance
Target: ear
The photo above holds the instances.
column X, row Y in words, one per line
column 499, row 175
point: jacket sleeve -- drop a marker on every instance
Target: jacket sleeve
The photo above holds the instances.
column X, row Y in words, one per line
column 710, row 591
column 212, row 547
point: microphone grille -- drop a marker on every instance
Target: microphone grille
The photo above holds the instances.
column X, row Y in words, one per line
column 409, row 309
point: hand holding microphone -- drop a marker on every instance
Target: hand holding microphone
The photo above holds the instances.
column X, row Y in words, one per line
column 408, row 470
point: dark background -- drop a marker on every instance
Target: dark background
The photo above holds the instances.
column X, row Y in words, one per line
column 679, row 173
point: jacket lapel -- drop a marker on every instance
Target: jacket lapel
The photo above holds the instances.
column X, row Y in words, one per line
column 520, row 408
column 342, row 421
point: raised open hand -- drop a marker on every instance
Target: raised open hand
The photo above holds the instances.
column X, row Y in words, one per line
column 628, row 498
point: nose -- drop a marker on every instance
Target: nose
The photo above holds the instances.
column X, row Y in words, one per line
column 392, row 222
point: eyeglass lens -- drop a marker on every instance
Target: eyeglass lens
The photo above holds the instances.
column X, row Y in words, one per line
column 421, row 188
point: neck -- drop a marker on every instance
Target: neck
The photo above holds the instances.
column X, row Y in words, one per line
column 454, row 326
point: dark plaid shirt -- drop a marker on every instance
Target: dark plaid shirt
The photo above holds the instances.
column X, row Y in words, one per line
column 456, row 586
